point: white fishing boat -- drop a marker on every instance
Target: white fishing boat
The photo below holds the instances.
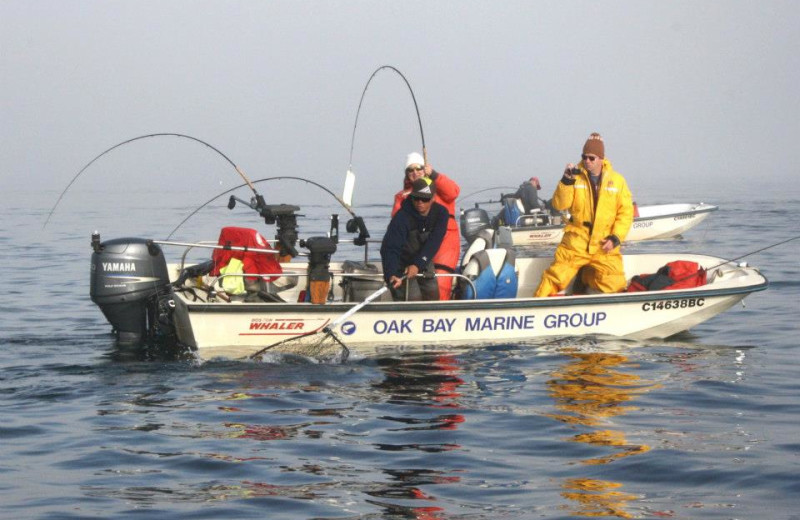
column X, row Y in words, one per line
column 656, row 222
column 141, row 295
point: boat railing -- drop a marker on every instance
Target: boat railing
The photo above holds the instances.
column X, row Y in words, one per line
column 537, row 217
column 209, row 244
column 727, row 271
column 460, row 276
column 189, row 248
column 217, row 281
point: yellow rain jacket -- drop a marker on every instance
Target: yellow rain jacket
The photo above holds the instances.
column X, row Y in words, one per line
column 587, row 227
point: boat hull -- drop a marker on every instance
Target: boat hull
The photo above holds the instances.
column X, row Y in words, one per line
column 230, row 332
column 238, row 329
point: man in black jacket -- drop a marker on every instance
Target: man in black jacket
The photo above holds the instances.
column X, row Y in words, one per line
column 411, row 241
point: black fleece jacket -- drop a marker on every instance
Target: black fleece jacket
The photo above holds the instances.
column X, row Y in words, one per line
column 404, row 222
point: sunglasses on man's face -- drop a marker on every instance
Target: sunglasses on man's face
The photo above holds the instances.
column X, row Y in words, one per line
column 414, row 169
column 589, row 158
column 419, row 199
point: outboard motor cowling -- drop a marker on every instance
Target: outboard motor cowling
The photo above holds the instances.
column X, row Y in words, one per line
column 127, row 277
column 473, row 221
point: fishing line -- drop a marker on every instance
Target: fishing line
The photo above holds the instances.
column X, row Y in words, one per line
column 485, row 190
column 416, row 107
column 162, row 134
column 345, row 206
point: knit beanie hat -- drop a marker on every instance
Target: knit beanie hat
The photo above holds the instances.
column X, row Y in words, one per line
column 594, row 145
column 415, row 158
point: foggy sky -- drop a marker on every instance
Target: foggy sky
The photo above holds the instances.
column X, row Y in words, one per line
column 696, row 95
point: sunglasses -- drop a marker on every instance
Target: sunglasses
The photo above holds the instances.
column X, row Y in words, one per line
column 414, row 169
column 419, row 199
column 589, row 158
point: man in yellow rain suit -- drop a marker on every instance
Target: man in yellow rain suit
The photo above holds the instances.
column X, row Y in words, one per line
column 601, row 210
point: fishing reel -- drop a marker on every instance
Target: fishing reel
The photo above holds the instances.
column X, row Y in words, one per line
column 356, row 224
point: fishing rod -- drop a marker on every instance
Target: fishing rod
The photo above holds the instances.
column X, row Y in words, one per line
column 416, row 107
column 754, row 252
column 258, row 197
column 254, row 206
column 710, row 269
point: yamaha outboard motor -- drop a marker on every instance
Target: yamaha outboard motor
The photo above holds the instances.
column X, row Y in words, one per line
column 473, row 221
column 130, row 284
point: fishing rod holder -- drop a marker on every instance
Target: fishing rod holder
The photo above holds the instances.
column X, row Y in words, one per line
column 286, row 218
column 97, row 246
column 319, row 275
column 333, row 234
column 281, row 214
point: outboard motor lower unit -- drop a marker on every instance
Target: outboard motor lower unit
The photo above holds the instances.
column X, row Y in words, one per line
column 130, row 284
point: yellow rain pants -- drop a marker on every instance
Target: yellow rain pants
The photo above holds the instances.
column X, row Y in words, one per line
column 605, row 271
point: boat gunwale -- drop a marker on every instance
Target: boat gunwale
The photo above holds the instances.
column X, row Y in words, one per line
column 698, row 210
column 709, row 208
column 482, row 305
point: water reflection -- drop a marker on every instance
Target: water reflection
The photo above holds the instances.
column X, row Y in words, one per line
column 404, row 485
column 423, row 391
column 597, row 497
column 431, row 380
column 588, row 391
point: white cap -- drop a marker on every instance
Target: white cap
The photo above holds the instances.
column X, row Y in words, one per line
column 414, row 158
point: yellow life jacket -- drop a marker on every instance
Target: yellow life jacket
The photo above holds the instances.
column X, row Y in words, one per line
column 233, row 284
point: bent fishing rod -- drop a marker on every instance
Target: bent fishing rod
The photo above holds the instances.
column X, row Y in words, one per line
column 416, row 107
column 258, row 197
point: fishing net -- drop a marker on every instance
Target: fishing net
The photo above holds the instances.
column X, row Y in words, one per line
column 321, row 345
column 324, row 344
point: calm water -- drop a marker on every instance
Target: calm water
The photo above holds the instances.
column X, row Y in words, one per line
column 696, row 427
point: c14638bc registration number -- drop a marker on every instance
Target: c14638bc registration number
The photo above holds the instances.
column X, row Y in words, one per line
column 665, row 305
